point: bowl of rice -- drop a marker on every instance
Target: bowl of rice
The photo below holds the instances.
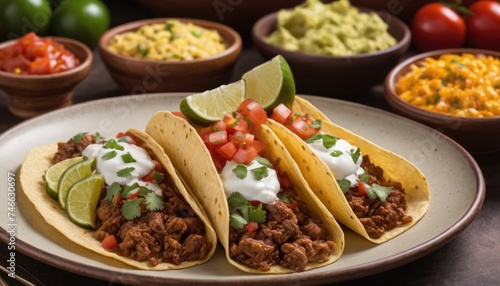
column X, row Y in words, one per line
column 170, row 55
column 455, row 91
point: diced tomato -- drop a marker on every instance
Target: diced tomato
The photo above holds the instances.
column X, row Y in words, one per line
column 40, row 66
column 294, row 205
column 227, row 150
column 361, row 189
column 251, row 153
column 253, row 111
column 284, row 180
column 217, row 138
column 254, row 203
column 281, row 113
column 149, row 177
column 204, row 133
column 257, row 145
column 220, row 126
column 218, row 160
column 241, row 156
column 159, row 167
column 302, row 126
column 109, row 242
column 251, row 227
column 134, row 195
column 179, row 114
column 242, row 138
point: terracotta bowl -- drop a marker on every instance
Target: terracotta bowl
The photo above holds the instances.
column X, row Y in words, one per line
column 337, row 77
column 32, row 95
column 238, row 14
column 477, row 135
column 147, row 76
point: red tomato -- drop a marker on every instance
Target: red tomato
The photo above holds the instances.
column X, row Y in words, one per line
column 281, row 113
column 179, row 114
column 109, row 242
column 251, row 227
column 302, row 126
column 361, row 189
column 253, row 111
column 483, row 26
column 227, row 150
column 436, row 26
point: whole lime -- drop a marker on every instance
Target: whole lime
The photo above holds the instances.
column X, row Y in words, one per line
column 82, row 20
column 23, row 16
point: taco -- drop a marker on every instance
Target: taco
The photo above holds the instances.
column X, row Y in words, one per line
column 371, row 190
column 264, row 213
column 146, row 218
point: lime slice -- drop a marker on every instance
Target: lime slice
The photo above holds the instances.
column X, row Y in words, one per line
column 271, row 83
column 72, row 175
column 82, row 200
column 210, row 106
column 54, row 173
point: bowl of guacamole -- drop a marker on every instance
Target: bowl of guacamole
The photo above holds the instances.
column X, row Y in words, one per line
column 334, row 49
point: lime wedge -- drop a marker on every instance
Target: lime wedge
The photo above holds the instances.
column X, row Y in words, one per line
column 82, row 200
column 72, row 175
column 271, row 83
column 54, row 173
column 210, row 106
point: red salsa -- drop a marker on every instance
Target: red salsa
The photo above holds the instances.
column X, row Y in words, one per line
column 34, row 55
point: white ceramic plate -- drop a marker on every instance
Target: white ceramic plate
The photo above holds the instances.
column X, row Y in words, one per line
column 457, row 188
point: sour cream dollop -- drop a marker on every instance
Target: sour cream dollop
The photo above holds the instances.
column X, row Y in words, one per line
column 117, row 164
column 340, row 159
column 264, row 190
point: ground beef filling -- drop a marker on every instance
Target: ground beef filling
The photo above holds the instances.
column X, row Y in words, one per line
column 376, row 216
column 289, row 238
column 173, row 235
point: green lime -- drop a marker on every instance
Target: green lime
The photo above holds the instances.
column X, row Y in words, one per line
column 82, row 20
column 211, row 105
column 72, row 175
column 82, row 200
column 20, row 17
column 54, row 173
column 271, row 83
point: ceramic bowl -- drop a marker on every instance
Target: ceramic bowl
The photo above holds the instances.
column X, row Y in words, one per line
column 337, row 77
column 135, row 75
column 477, row 135
column 32, row 95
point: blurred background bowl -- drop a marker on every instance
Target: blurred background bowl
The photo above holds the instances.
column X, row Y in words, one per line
column 238, row 14
column 32, row 95
column 135, row 75
column 338, row 77
column 477, row 135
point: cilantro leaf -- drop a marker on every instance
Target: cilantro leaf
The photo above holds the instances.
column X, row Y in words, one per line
column 316, row 124
column 240, row 171
column 112, row 190
column 259, row 173
column 364, row 177
column 237, row 222
column 256, row 214
column 377, row 191
column 78, row 137
column 336, row 153
column 344, row 185
column 126, row 172
column 355, row 155
column 158, row 177
column 98, row 137
column 112, row 144
column 110, row 155
column 197, row 33
column 153, row 201
column 127, row 158
column 131, row 210
column 238, row 204
column 285, row 198
column 127, row 189
column 328, row 140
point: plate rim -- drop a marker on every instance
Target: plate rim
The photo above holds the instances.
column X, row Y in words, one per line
column 348, row 273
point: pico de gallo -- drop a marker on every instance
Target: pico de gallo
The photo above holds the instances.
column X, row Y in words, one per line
column 36, row 56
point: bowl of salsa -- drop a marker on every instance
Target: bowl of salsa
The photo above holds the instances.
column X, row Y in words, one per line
column 39, row 74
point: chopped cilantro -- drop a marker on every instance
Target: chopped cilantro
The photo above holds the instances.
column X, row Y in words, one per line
column 126, row 172
column 336, row 153
column 158, row 177
column 256, row 214
column 344, row 185
column 127, row 189
column 112, row 144
column 240, row 171
column 264, row 161
column 169, row 26
column 285, row 198
column 355, row 155
column 259, row 173
column 78, row 137
column 364, row 177
column 316, row 124
column 243, row 212
column 142, row 50
column 98, row 137
column 131, row 210
column 236, row 221
column 112, row 190
column 127, row 158
column 197, row 33
column 328, row 140
column 377, row 191
column 153, row 201
column 110, row 155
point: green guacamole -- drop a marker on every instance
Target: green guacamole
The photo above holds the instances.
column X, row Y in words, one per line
column 333, row 29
